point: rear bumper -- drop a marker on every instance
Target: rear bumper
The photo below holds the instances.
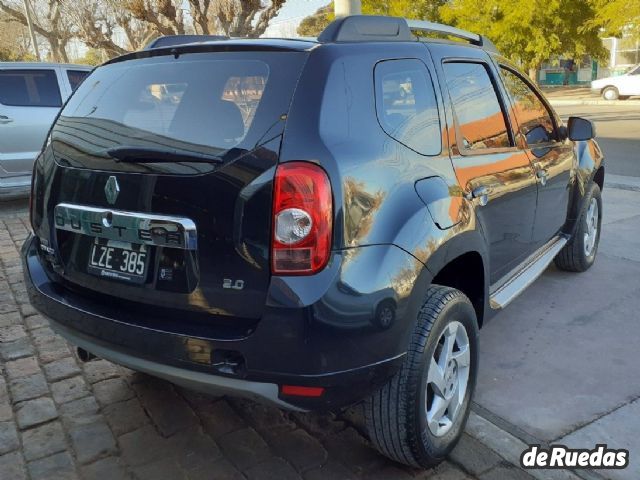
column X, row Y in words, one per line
column 286, row 348
column 203, row 382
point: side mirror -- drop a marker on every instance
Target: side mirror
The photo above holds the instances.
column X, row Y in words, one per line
column 580, row 129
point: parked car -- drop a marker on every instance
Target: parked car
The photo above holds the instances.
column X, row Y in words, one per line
column 335, row 244
column 31, row 95
column 620, row 87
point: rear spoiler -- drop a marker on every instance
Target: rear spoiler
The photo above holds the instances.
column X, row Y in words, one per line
column 174, row 40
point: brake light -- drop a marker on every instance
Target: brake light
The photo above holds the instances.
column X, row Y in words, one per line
column 302, row 219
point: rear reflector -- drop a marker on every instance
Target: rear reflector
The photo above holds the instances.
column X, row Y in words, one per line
column 297, row 391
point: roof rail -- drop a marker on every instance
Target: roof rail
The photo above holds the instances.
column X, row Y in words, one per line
column 431, row 27
column 175, row 40
column 371, row 28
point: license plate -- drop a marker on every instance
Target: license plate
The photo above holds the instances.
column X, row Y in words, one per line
column 118, row 260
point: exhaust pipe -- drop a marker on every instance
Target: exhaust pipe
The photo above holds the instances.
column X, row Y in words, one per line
column 84, row 356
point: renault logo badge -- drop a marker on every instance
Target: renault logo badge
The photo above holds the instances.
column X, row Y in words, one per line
column 112, row 190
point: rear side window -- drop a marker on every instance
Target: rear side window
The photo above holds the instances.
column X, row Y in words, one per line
column 480, row 118
column 29, row 88
column 76, row 77
column 406, row 105
column 536, row 123
column 210, row 103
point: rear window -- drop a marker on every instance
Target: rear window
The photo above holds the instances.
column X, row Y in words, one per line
column 406, row 105
column 209, row 103
column 29, row 88
column 76, row 77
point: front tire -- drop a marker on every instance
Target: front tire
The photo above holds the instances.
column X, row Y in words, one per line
column 419, row 415
column 580, row 252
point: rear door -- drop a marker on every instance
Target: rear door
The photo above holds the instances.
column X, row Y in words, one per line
column 29, row 102
column 493, row 172
column 551, row 157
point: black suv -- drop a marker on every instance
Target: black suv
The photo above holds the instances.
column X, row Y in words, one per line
column 310, row 223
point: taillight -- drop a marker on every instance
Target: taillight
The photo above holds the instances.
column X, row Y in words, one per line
column 302, row 219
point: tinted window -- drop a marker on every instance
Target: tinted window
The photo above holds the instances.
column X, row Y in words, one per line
column 29, row 88
column 481, row 121
column 533, row 117
column 76, row 77
column 220, row 104
column 406, row 105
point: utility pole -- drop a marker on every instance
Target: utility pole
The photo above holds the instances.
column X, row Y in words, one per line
column 27, row 12
column 344, row 8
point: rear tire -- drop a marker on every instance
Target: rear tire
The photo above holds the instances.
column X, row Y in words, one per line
column 610, row 93
column 580, row 252
column 409, row 419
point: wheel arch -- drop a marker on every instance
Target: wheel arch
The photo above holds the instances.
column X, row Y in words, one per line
column 591, row 168
column 463, row 264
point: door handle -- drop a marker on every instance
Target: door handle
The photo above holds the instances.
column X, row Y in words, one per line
column 4, row 119
column 543, row 176
column 481, row 193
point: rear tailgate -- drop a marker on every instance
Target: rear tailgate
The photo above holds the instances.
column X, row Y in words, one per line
column 156, row 188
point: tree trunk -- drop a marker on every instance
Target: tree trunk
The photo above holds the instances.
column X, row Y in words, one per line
column 533, row 74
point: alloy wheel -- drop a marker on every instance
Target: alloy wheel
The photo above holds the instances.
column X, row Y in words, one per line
column 448, row 378
column 591, row 234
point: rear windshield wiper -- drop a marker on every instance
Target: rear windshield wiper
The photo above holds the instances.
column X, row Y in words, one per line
column 153, row 155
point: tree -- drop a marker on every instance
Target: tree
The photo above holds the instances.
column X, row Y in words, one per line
column 15, row 43
column 165, row 16
column 530, row 32
column 244, row 18
column 312, row 25
column 96, row 22
column 48, row 22
column 618, row 17
column 415, row 9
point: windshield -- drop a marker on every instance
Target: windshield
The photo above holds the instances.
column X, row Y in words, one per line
column 203, row 103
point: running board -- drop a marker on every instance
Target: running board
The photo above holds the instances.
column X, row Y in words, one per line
column 525, row 274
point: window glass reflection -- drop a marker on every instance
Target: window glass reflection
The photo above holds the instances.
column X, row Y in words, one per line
column 406, row 105
column 480, row 118
column 533, row 117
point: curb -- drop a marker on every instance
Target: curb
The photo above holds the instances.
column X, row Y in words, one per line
column 560, row 102
column 510, row 448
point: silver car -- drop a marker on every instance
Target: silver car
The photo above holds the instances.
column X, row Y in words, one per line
column 30, row 96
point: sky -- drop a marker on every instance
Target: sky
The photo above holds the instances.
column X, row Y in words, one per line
column 291, row 14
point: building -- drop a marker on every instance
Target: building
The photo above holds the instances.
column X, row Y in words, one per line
column 624, row 53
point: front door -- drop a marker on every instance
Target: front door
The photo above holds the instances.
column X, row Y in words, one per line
column 29, row 102
column 494, row 174
column 551, row 157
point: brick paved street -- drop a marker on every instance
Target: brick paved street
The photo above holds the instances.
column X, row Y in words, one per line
column 61, row 419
